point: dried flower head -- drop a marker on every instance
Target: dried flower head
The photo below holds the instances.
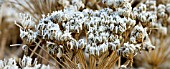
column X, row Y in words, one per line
column 120, row 28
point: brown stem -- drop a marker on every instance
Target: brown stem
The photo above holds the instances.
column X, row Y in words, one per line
column 35, row 48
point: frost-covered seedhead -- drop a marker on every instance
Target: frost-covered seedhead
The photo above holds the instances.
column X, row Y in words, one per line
column 8, row 64
column 26, row 63
column 104, row 29
column 27, row 22
column 137, row 34
column 119, row 27
column 27, row 25
column 114, row 25
column 128, row 49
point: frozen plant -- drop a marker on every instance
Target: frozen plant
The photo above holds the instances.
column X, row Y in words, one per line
column 120, row 30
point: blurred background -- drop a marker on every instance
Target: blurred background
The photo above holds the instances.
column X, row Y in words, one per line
column 9, row 32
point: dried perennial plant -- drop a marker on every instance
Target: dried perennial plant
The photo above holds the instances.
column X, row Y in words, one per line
column 119, row 27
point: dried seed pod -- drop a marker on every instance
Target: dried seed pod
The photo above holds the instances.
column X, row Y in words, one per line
column 27, row 22
column 60, row 53
column 137, row 34
column 112, row 46
column 81, row 43
column 92, row 50
column 142, row 7
column 66, row 37
column 147, row 43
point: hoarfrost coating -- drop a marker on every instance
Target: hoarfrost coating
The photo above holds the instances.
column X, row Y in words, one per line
column 97, row 31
